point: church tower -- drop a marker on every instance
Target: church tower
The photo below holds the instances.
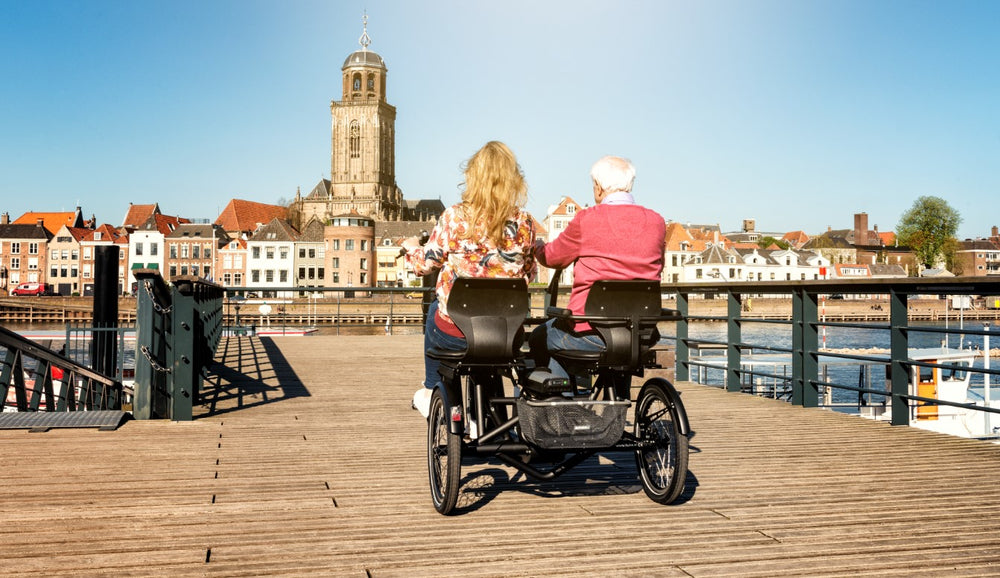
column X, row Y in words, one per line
column 362, row 166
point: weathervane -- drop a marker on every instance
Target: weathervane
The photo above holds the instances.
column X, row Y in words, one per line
column 364, row 41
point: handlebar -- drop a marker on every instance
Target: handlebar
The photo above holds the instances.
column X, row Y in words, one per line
column 423, row 238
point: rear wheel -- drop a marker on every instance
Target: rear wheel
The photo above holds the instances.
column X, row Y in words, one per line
column 444, row 457
column 662, row 467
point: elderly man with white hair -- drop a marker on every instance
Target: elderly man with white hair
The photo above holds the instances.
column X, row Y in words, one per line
column 614, row 239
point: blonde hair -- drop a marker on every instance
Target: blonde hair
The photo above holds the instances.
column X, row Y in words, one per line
column 495, row 190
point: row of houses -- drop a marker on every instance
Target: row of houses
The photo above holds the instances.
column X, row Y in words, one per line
column 253, row 245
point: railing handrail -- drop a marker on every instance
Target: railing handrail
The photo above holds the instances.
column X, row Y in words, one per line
column 11, row 340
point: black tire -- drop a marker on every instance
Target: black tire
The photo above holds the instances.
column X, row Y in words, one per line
column 662, row 468
column 444, row 457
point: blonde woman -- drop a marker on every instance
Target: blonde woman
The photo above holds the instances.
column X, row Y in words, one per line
column 487, row 234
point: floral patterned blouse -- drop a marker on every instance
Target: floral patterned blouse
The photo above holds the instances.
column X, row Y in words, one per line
column 455, row 256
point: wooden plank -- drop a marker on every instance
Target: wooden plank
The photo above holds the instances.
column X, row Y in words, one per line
column 305, row 458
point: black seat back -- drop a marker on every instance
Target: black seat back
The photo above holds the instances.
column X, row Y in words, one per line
column 624, row 303
column 490, row 313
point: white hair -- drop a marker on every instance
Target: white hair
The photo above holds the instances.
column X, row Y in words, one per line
column 613, row 174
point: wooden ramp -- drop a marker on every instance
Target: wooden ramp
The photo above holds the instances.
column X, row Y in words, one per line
column 306, row 459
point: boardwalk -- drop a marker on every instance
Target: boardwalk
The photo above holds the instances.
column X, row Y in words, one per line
column 308, row 461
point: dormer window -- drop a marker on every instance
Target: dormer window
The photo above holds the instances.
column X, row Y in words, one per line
column 570, row 209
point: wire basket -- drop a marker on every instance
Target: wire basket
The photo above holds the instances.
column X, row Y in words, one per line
column 559, row 423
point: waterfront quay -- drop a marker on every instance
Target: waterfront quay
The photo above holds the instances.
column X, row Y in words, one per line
column 405, row 308
column 304, row 458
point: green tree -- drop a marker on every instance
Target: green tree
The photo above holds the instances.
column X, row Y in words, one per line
column 766, row 242
column 926, row 228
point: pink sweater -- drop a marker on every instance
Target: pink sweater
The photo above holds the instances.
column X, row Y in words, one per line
column 607, row 242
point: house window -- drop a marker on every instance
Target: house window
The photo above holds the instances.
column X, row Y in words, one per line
column 138, row 249
column 238, row 279
column 335, row 245
column 312, row 253
column 336, row 262
column 255, row 276
column 196, row 252
column 364, row 245
column 227, row 279
column 269, row 252
column 255, row 252
column 283, row 276
column 32, row 248
column 154, row 248
column 336, row 277
column 269, row 276
column 284, row 253
column 364, row 264
column 173, row 271
column 349, row 245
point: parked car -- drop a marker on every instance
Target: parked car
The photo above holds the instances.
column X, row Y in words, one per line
column 35, row 289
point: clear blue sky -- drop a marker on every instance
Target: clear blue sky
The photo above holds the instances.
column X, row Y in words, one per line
column 797, row 113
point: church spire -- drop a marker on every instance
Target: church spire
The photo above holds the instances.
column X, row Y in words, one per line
column 365, row 40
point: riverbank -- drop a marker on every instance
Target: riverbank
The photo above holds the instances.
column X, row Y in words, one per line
column 407, row 311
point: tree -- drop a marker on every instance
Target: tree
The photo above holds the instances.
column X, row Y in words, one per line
column 766, row 242
column 926, row 227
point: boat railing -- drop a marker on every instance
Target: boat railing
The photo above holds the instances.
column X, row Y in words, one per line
column 806, row 323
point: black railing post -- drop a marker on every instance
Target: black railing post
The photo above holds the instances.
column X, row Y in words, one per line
column 683, row 348
column 733, row 352
column 805, row 347
column 102, row 345
column 152, row 321
column 898, row 351
column 181, row 357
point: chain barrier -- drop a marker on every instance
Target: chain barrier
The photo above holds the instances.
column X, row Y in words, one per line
column 152, row 362
column 156, row 306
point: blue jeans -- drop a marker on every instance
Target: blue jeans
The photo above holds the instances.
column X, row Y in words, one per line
column 434, row 337
column 556, row 339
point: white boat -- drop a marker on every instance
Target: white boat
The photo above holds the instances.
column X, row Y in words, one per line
column 948, row 384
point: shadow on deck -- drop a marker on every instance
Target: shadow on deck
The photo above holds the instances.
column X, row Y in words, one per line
column 322, row 471
column 248, row 372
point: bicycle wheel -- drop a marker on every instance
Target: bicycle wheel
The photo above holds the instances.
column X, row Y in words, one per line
column 663, row 467
column 444, row 457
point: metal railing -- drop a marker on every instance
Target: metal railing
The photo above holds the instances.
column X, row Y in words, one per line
column 34, row 378
column 805, row 325
column 251, row 310
column 178, row 328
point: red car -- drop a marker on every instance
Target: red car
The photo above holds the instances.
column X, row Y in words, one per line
column 36, row 289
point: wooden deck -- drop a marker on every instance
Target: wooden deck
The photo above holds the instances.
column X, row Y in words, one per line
column 307, row 460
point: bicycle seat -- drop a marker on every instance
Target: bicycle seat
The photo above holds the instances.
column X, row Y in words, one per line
column 624, row 314
column 490, row 312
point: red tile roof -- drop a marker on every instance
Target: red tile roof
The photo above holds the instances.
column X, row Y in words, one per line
column 137, row 215
column 241, row 216
column 51, row 221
